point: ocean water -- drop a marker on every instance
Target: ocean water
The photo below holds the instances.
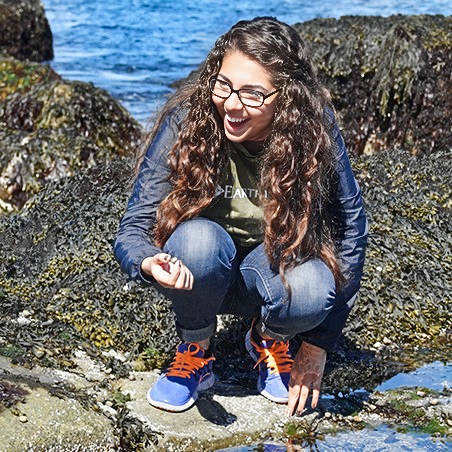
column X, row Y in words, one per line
column 136, row 49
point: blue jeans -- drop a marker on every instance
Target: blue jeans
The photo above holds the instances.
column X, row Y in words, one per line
column 231, row 280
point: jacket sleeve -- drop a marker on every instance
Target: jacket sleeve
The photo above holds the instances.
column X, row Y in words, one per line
column 133, row 242
column 348, row 213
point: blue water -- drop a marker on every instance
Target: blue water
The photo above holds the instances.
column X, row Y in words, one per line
column 382, row 439
column 436, row 375
column 135, row 49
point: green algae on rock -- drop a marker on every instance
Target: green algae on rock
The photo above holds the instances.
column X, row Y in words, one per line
column 405, row 299
column 24, row 30
column 389, row 78
column 19, row 76
column 57, row 264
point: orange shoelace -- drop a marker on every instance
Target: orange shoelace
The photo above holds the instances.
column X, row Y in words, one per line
column 186, row 363
column 276, row 357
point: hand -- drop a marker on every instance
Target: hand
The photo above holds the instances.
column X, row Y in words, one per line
column 169, row 274
column 307, row 373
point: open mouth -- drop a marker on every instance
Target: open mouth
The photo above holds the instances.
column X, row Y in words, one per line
column 235, row 123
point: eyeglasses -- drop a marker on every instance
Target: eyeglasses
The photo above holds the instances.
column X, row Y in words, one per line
column 248, row 97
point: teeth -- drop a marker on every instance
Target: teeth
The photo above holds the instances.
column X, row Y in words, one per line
column 234, row 119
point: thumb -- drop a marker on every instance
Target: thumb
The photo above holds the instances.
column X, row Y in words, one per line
column 162, row 258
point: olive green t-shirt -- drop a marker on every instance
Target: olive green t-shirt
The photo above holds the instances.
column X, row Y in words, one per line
column 236, row 206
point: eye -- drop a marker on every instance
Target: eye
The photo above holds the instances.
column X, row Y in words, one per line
column 222, row 85
column 251, row 94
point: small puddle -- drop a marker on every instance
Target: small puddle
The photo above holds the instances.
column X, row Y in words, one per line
column 436, row 376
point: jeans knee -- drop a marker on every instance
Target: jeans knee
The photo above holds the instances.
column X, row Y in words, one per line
column 313, row 293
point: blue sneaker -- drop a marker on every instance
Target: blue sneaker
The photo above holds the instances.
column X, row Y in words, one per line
column 275, row 363
column 177, row 388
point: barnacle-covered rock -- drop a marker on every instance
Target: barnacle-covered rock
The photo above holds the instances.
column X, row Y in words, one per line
column 20, row 76
column 52, row 128
column 24, row 30
column 389, row 78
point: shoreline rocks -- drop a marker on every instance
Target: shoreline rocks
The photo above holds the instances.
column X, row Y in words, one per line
column 64, row 302
column 389, row 78
column 99, row 412
column 53, row 128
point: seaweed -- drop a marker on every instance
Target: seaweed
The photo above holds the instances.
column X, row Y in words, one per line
column 388, row 77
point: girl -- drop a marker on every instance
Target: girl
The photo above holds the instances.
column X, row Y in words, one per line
column 245, row 202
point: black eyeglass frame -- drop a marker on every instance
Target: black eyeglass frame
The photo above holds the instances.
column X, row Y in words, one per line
column 213, row 80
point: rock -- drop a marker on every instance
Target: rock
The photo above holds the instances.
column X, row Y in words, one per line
column 408, row 204
column 433, row 402
column 389, row 78
column 23, row 419
column 54, row 128
column 24, row 30
column 56, row 260
column 39, row 352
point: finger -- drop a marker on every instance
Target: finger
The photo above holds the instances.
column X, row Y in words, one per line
column 188, row 279
column 304, row 394
column 294, row 394
column 191, row 280
column 161, row 258
column 180, row 282
column 315, row 397
column 173, row 274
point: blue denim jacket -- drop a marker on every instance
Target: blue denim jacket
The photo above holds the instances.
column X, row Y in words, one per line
column 133, row 245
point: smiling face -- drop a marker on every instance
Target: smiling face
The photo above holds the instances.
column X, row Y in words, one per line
column 242, row 124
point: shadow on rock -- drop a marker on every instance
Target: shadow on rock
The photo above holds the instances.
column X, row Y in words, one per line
column 213, row 411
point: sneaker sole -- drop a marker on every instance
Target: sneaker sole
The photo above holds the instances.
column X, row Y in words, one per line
column 267, row 395
column 203, row 386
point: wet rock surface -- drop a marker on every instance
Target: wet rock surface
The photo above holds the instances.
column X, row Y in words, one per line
column 24, row 30
column 89, row 408
column 389, row 78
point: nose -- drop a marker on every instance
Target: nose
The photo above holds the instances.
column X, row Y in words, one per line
column 233, row 102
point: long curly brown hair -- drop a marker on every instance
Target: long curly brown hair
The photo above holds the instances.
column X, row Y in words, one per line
column 298, row 159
